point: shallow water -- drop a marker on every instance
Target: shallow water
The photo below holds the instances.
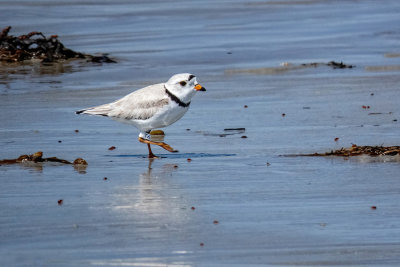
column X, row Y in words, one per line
column 294, row 211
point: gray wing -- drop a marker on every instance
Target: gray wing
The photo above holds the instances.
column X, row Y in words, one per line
column 139, row 105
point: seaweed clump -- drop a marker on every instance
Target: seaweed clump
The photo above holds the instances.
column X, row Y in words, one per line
column 333, row 64
column 38, row 158
column 355, row 150
column 35, row 45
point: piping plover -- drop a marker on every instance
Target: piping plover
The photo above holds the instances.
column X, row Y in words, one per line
column 151, row 107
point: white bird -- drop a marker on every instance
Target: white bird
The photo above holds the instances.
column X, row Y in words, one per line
column 151, row 107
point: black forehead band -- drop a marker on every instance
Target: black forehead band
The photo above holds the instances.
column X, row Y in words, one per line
column 191, row 76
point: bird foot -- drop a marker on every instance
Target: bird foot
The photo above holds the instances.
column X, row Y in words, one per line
column 161, row 144
column 152, row 156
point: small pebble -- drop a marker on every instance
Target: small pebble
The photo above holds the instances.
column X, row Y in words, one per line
column 77, row 131
column 372, row 94
column 80, row 161
column 215, row 222
column 187, row 129
column 175, row 166
column 245, row 106
column 105, row 178
column 59, row 141
column 283, row 114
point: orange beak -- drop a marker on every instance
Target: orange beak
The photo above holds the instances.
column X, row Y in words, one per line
column 198, row 87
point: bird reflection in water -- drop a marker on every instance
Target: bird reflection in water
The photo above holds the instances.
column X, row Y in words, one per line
column 156, row 201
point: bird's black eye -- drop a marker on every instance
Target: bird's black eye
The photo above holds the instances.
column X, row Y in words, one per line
column 183, row 83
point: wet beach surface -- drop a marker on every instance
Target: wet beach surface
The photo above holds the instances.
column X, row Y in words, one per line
column 238, row 201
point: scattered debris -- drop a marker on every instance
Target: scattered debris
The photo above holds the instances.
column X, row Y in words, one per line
column 215, row 222
column 77, row 131
column 35, row 45
column 336, row 139
column 80, row 161
column 201, row 244
column 105, row 178
column 268, row 164
column 389, row 55
column 283, row 114
column 355, row 150
column 60, row 202
column 388, row 68
column 333, row 64
column 245, row 106
column 227, row 131
column 80, row 165
column 157, row 135
column 193, row 208
column 111, row 148
column 243, row 136
column 373, row 207
column 157, row 132
column 380, row 113
column 366, row 107
column 234, row 129
column 286, row 67
column 189, row 159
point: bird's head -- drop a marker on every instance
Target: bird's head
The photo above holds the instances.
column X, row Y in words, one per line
column 184, row 86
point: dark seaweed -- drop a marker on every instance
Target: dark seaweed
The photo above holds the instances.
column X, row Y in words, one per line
column 35, row 45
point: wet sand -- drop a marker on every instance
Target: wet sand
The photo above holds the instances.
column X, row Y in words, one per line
column 271, row 210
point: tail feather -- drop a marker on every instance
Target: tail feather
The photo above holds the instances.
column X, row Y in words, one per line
column 80, row 111
column 99, row 110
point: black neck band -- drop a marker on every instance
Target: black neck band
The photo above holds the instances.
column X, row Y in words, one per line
column 176, row 99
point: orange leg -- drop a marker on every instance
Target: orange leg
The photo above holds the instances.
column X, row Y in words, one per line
column 161, row 144
column 151, row 155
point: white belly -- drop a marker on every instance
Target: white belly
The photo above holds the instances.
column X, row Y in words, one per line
column 166, row 116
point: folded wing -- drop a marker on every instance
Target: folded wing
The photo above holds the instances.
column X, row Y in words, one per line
column 139, row 105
